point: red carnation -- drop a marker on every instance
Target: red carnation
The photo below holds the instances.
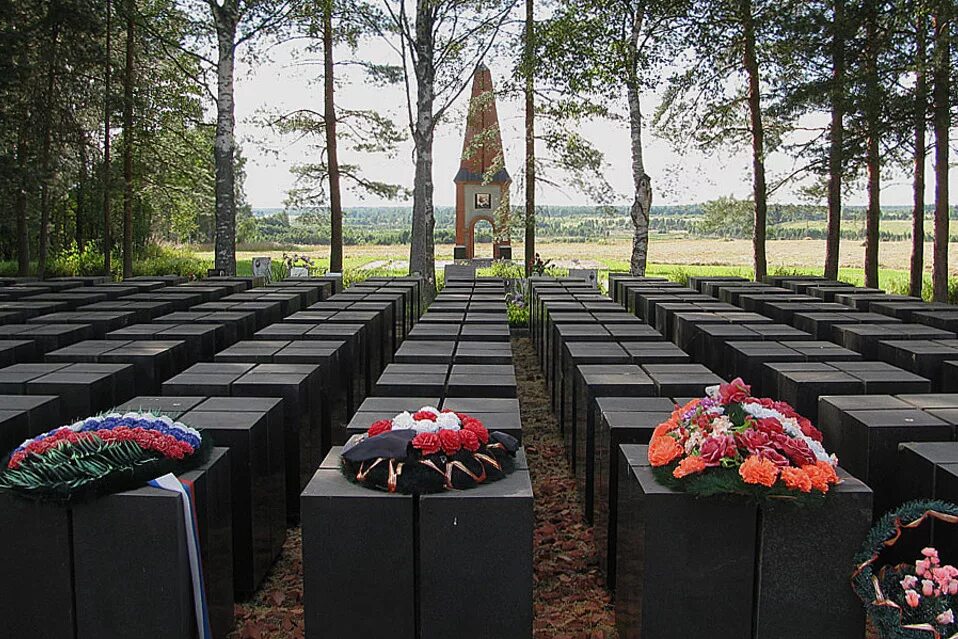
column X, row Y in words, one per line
column 380, row 427
column 470, row 441
column 736, row 392
column 475, row 426
column 427, row 443
column 808, row 429
column 796, row 450
column 450, row 440
column 769, row 426
column 424, row 414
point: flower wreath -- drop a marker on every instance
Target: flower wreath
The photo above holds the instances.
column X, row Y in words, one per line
column 103, row 454
column 908, row 601
column 732, row 443
column 429, row 451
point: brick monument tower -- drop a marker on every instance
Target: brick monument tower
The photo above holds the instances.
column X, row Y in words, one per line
column 482, row 183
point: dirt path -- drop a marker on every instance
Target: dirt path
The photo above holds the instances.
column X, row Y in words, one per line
column 569, row 598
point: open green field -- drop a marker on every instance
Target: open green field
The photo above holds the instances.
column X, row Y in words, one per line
column 675, row 258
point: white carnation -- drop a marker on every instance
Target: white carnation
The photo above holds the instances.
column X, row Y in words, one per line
column 427, row 426
column 429, row 409
column 403, row 421
column 448, row 421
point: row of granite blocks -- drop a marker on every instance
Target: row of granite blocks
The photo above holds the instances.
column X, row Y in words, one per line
column 243, row 519
column 653, row 542
column 724, row 324
column 457, row 562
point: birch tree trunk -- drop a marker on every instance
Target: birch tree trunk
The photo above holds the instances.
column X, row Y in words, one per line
column 641, row 182
column 422, row 257
column 79, row 225
column 224, row 145
column 758, row 142
column 942, row 122
column 530, row 124
column 918, row 181
column 128, row 80
column 836, row 139
column 332, row 152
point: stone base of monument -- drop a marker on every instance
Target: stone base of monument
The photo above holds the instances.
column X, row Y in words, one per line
column 117, row 566
column 460, row 560
column 686, row 566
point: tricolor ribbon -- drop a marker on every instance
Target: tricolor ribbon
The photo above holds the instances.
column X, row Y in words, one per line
column 185, row 489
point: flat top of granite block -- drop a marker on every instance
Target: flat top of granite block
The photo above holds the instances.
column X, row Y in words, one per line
column 635, row 455
column 865, row 402
column 471, row 405
column 934, row 452
column 931, row 400
column 891, row 418
column 635, row 404
column 160, row 404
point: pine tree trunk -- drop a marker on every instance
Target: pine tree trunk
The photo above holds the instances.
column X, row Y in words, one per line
column 872, row 150
column 759, row 189
column 46, row 167
column 224, row 145
column 107, row 174
column 836, row 139
column 332, row 152
column 20, row 204
column 128, row 81
column 942, row 122
column 422, row 258
column 918, row 180
column 79, row 224
column 530, row 178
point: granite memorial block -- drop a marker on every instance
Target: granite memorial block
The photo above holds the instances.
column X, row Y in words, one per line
column 354, row 537
column 14, row 351
column 47, row 337
column 35, row 539
column 173, row 407
column 949, row 377
column 820, row 602
column 820, row 325
column 482, row 380
column 923, row 357
column 425, row 352
column 864, row 338
column 404, row 380
column 258, row 512
column 24, row 416
column 482, row 353
column 868, row 445
column 116, row 535
column 206, row 378
column 101, row 322
column 919, row 466
column 674, row 380
column 201, row 340
column 619, row 420
column 659, row 529
column 306, row 437
column 475, row 560
column 593, row 381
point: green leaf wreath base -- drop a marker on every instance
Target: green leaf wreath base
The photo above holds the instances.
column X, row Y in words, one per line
column 88, row 469
column 885, row 614
column 720, row 481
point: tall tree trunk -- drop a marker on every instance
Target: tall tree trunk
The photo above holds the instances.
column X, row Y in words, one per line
column 530, row 105
column 332, row 152
column 107, row 112
column 836, row 140
column 224, row 146
column 128, row 80
column 942, row 122
column 759, row 189
column 422, row 258
column 46, row 166
column 872, row 150
column 641, row 182
column 79, row 224
column 23, row 229
column 918, row 181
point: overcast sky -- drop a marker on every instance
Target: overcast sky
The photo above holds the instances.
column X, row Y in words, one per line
column 286, row 82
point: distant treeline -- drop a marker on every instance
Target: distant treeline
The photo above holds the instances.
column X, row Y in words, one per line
column 723, row 218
